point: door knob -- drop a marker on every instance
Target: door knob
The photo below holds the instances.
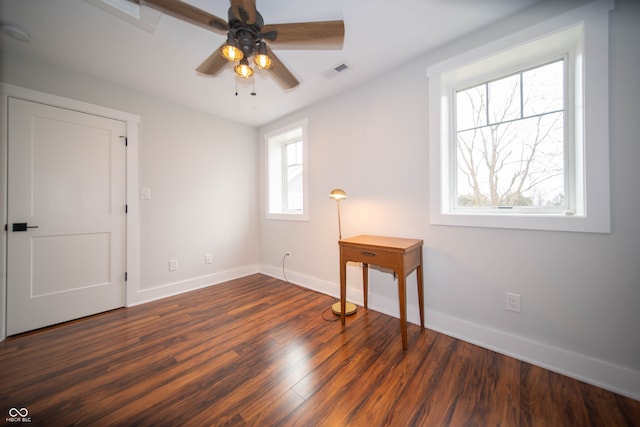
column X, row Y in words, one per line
column 22, row 226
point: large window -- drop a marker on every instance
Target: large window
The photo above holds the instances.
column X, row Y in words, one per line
column 286, row 172
column 510, row 143
column 519, row 129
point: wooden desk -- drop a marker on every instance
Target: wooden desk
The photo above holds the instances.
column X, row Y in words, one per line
column 398, row 254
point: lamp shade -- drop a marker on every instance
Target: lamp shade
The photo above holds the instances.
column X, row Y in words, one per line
column 338, row 194
column 261, row 58
column 230, row 50
column 243, row 69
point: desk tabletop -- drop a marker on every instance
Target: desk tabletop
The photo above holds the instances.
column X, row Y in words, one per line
column 381, row 241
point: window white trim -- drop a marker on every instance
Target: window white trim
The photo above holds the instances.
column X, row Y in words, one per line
column 275, row 141
column 591, row 122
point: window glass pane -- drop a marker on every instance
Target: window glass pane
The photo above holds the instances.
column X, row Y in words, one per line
column 470, row 108
column 294, row 153
column 518, row 163
column 295, row 181
column 294, row 188
column 543, row 89
column 504, row 99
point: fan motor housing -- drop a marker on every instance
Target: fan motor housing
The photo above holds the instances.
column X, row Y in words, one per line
column 246, row 42
column 247, row 36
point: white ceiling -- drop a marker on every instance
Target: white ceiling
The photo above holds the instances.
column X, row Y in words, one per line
column 379, row 35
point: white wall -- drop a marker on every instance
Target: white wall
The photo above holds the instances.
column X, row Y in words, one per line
column 580, row 292
column 202, row 174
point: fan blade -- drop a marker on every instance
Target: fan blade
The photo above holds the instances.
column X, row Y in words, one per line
column 213, row 64
column 189, row 13
column 310, row 35
column 280, row 73
column 244, row 10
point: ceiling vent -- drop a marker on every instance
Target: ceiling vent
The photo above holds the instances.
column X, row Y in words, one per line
column 138, row 15
column 334, row 71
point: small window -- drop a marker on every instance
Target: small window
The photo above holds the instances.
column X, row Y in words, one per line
column 287, row 173
column 519, row 131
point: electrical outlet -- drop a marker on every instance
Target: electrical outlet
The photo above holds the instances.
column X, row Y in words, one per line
column 173, row 264
column 288, row 255
column 512, row 301
column 145, row 193
column 208, row 258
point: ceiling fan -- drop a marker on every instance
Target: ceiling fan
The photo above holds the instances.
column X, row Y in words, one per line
column 247, row 37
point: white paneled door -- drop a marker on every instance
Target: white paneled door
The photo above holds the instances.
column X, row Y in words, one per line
column 66, row 211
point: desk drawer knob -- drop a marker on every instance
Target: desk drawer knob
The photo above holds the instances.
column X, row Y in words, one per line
column 367, row 253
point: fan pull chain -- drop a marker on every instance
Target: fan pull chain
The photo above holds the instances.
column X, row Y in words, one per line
column 253, row 83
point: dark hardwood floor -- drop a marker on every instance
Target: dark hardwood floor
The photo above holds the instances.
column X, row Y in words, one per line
column 257, row 351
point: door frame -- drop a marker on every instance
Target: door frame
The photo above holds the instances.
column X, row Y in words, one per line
column 132, row 218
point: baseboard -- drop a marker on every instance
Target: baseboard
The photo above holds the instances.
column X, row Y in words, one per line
column 312, row 283
column 593, row 371
column 165, row 290
column 600, row 373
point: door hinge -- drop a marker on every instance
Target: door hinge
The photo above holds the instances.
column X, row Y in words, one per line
column 126, row 140
column 126, row 209
column 126, row 276
column 6, row 227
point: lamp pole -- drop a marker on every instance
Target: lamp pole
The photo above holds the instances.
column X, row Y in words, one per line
column 339, row 223
column 338, row 194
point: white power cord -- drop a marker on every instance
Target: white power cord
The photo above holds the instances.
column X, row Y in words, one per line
column 283, row 272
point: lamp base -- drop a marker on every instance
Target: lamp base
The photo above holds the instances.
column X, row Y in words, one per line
column 350, row 309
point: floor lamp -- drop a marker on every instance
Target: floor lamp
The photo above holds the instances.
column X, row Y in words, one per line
column 338, row 194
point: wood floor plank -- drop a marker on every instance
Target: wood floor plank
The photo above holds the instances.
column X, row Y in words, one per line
column 391, row 379
column 257, row 351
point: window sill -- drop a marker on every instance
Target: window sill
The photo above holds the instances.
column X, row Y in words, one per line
column 552, row 222
column 287, row 217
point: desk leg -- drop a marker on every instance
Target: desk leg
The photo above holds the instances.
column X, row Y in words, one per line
column 402, row 296
column 365, row 283
column 343, row 290
column 420, row 293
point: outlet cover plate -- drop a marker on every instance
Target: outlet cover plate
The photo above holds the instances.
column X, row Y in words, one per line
column 512, row 302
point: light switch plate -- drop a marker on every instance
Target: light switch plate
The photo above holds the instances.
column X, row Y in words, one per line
column 145, row 193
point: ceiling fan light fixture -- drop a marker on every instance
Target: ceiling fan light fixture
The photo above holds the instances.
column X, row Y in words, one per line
column 243, row 69
column 230, row 50
column 245, row 30
column 261, row 58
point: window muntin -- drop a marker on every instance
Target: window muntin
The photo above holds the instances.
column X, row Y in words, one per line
column 509, row 143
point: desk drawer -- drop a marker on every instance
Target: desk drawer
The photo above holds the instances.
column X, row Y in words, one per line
column 375, row 256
